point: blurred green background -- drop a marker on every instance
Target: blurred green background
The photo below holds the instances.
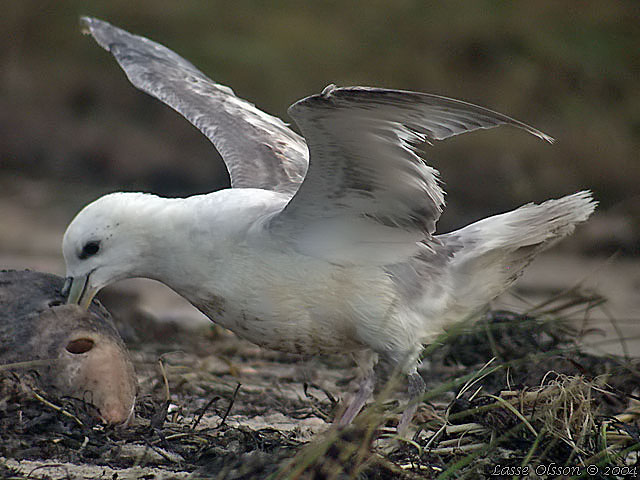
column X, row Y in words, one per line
column 70, row 118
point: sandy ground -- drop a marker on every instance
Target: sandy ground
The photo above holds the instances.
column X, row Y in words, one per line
column 64, row 470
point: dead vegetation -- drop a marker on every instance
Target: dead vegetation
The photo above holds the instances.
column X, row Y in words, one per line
column 513, row 391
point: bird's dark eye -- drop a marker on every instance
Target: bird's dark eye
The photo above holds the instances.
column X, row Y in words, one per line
column 89, row 249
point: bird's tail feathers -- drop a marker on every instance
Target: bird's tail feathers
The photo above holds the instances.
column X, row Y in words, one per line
column 492, row 253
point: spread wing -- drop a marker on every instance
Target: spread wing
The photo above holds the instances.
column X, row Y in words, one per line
column 260, row 151
column 367, row 186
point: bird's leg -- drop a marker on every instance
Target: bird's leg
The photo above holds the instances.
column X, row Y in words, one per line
column 366, row 361
column 416, row 388
column 365, row 390
column 307, row 370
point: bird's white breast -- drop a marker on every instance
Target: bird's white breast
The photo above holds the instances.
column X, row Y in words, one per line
column 295, row 303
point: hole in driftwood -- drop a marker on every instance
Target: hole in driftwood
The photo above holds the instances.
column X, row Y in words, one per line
column 81, row 345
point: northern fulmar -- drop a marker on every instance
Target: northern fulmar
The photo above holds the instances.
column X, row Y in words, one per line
column 326, row 242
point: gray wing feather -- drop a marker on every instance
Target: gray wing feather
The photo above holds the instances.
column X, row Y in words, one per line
column 260, row 151
column 366, row 178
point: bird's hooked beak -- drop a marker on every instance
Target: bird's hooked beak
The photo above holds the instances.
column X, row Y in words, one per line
column 79, row 290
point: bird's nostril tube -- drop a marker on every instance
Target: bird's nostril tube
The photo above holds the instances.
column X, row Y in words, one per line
column 81, row 345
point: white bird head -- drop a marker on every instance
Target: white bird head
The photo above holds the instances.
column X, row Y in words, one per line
column 103, row 244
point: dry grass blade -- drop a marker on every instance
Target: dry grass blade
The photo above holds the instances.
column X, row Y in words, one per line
column 57, row 408
column 28, row 364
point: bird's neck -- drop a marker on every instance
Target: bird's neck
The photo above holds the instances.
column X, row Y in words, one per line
column 167, row 233
column 188, row 243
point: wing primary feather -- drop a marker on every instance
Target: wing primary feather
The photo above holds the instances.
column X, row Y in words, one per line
column 260, row 150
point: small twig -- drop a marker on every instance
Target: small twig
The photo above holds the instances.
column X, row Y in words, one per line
column 318, row 413
column 331, row 398
column 28, row 364
column 475, row 394
column 167, row 393
column 233, row 399
column 459, row 441
column 50, row 465
column 435, row 436
column 314, row 408
column 515, row 411
column 462, row 448
column 160, row 452
column 177, row 436
column 408, row 441
column 56, row 408
column 479, row 375
column 204, row 410
column 465, row 428
column 307, row 394
column 160, row 415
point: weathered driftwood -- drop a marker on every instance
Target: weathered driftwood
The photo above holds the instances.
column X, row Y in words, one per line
column 79, row 353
